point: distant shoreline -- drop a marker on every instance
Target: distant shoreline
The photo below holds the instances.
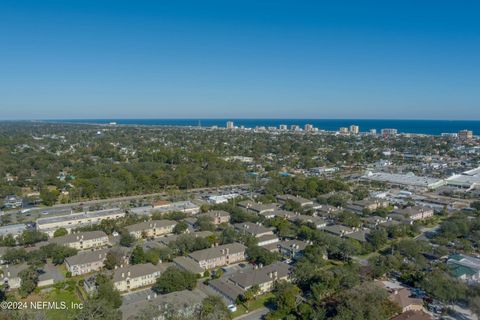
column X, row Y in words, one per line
column 427, row 127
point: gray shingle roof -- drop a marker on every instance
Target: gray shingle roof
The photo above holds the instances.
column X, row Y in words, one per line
column 74, row 237
column 246, row 279
column 87, row 257
column 150, row 224
column 219, row 251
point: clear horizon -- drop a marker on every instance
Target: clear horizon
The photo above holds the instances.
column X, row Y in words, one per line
column 148, row 60
column 233, row 119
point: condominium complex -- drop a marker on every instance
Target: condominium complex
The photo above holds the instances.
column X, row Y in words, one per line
column 151, row 229
column 86, row 262
column 135, row 276
column 219, row 256
column 83, row 240
column 354, row 129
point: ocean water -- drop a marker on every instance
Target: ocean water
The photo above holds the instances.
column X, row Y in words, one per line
column 432, row 127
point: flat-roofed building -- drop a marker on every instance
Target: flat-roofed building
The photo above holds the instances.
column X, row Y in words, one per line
column 76, row 220
column 179, row 206
column 405, row 180
column 151, row 229
column 465, row 268
column 14, row 230
column 12, row 202
column 83, row 240
column 219, row 256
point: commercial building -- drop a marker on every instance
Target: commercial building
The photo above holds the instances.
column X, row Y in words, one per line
column 14, row 230
column 354, row 129
column 76, row 220
column 181, row 206
column 465, row 268
column 12, row 202
column 230, row 125
column 467, row 180
column 405, row 180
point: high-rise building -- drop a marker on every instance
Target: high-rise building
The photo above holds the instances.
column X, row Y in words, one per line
column 283, row 127
column 343, row 130
column 389, row 132
column 230, row 125
column 294, row 127
column 465, row 134
column 354, row 129
column 308, row 127
column 373, row 132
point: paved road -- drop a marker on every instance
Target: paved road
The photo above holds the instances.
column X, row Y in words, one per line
column 254, row 315
column 62, row 209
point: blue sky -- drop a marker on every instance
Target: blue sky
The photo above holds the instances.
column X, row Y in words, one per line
column 239, row 59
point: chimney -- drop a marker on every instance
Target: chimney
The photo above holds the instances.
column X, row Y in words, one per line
column 148, row 297
column 128, row 274
column 227, row 250
column 275, row 274
column 123, row 275
column 270, row 275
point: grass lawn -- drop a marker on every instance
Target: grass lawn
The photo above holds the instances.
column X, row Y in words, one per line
column 257, row 303
column 67, row 295
column 61, row 295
